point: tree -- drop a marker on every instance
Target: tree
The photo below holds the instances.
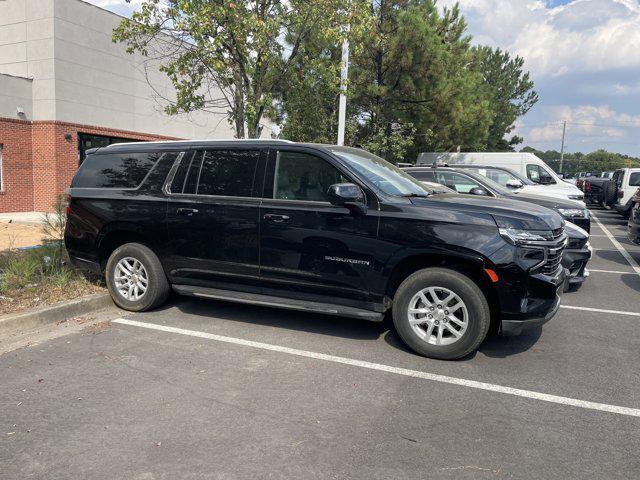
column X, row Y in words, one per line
column 233, row 56
column 510, row 91
column 414, row 70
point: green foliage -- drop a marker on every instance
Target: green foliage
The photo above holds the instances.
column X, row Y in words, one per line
column 233, row 56
column 415, row 69
column 598, row 161
column 21, row 269
column 510, row 91
column 392, row 142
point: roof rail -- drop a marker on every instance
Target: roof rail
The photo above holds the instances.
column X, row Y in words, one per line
column 216, row 140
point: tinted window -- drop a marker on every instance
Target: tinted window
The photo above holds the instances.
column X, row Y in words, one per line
column 423, row 176
column 634, row 179
column 457, row 182
column 228, row 172
column 122, row 170
column 300, row 176
column 536, row 173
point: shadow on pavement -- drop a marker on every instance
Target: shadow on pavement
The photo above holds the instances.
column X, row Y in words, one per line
column 273, row 317
column 632, row 280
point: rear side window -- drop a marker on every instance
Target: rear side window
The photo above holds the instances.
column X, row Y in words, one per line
column 634, row 179
column 227, row 173
column 121, row 170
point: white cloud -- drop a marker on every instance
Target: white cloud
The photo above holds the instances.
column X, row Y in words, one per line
column 580, row 36
column 596, row 123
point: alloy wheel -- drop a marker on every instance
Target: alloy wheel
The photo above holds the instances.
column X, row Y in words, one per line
column 438, row 315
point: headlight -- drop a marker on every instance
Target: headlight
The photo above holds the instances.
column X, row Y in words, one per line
column 523, row 237
column 571, row 212
column 576, row 197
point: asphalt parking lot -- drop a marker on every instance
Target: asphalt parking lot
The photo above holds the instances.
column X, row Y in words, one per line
column 217, row 390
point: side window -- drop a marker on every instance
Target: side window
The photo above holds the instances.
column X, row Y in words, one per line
column 457, row 182
column 634, row 179
column 122, row 170
column 533, row 173
column 300, row 176
column 227, row 173
column 423, row 176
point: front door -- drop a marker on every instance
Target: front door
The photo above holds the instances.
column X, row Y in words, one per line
column 309, row 248
column 213, row 219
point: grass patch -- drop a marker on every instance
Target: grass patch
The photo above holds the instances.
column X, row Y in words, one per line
column 39, row 277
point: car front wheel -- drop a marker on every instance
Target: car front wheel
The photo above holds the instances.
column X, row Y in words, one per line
column 441, row 313
column 135, row 278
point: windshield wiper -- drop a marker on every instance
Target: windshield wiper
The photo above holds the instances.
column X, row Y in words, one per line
column 416, row 195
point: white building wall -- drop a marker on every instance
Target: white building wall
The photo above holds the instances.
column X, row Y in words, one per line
column 27, row 49
column 16, row 96
column 81, row 76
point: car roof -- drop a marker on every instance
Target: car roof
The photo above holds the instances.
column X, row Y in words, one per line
column 196, row 144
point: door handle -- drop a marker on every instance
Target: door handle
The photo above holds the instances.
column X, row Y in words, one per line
column 272, row 217
column 187, row 211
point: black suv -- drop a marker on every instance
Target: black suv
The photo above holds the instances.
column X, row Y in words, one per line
column 319, row 228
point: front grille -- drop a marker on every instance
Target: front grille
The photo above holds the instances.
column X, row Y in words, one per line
column 554, row 253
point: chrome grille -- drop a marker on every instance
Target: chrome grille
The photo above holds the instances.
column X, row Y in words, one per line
column 554, row 252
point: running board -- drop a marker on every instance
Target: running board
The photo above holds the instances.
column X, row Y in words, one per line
column 278, row 302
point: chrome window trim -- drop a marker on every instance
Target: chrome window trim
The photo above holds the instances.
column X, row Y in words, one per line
column 166, row 188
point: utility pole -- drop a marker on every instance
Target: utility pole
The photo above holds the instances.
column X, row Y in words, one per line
column 344, row 73
column 564, row 129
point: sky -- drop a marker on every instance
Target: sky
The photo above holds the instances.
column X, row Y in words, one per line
column 583, row 55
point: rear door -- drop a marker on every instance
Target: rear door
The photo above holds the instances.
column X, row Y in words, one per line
column 213, row 218
column 310, row 249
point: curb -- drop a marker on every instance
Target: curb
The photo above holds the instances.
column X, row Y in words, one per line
column 16, row 323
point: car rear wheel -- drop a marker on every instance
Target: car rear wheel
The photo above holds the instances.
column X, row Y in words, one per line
column 441, row 313
column 135, row 278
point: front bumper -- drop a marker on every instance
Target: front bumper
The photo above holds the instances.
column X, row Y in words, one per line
column 511, row 327
column 575, row 262
column 530, row 303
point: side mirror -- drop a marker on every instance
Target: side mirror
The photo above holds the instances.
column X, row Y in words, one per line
column 346, row 195
column 478, row 191
column 514, row 183
column 545, row 180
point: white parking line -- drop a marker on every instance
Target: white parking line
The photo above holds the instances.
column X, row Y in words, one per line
column 603, row 407
column 600, row 310
column 620, row 248
column 610, row 271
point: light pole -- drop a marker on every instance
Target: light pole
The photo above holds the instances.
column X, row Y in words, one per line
column 344, row 73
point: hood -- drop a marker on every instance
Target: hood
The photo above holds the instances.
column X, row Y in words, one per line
column 575, row 232
column 549, row 202
column 514, row 213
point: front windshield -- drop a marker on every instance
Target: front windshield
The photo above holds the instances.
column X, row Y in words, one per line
column 383, row 175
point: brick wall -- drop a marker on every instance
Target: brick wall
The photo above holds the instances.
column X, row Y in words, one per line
column 17, row 166
column 39, row 162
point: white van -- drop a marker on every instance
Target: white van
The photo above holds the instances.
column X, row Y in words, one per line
column 535, row 176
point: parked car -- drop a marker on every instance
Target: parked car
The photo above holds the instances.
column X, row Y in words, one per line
column 468, row 180
column 633, row 226
column 578, row 223
column 541, row 176
column 576, row 256
column 595, row 190
column 623, row 186
column 316, row 228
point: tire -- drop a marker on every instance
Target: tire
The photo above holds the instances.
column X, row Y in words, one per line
column 444, row 282
column 157, row 287
column 610, row 192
